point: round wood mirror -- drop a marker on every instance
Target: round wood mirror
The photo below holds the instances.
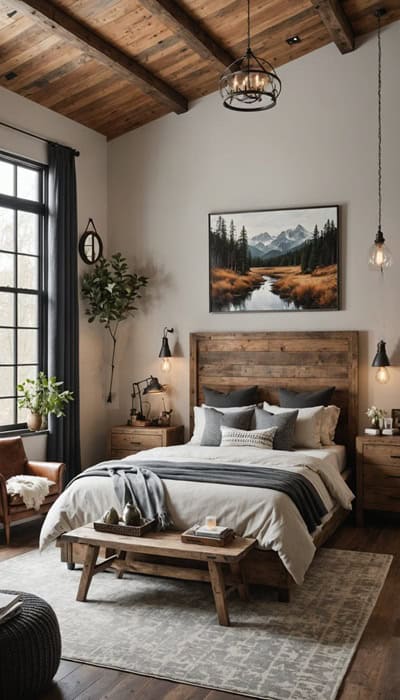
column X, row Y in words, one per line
column 90, row 244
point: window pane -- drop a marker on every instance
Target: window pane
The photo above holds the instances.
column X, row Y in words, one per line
column 28, row 272
column 27, row 310
column 7, row 387
column 28, row 183
column 7, row 411
column 7, row 309
column 7, row 240
column 26, row 372
column 6, row 346
column 21, row 415
column 6, row 178
column 27, row 347
column 7, row 276
column 28, row 232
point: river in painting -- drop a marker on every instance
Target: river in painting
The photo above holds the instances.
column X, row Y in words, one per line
column 260, row 299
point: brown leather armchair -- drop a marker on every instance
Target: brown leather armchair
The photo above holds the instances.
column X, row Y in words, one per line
column 13, row 462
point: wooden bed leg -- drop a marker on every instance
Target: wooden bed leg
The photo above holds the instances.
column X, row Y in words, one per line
column 284, row 595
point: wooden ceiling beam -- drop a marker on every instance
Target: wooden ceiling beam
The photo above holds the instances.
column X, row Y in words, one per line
column 94, row 46
column 337, row 23
column 187, row 29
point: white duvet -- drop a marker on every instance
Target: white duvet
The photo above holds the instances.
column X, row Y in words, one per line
column 269, row 516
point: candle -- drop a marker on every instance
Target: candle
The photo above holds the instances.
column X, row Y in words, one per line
column 211, row 521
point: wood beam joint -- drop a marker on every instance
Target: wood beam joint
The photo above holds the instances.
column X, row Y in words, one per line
column 97, row 48
column 337, row 23
column 187, row 29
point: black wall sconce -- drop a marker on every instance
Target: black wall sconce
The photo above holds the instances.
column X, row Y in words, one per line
column 165, row 352
column 381, row 361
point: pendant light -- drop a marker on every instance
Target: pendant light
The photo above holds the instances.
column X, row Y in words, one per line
column 250, row 84
column 381, row 361
column 380, row 256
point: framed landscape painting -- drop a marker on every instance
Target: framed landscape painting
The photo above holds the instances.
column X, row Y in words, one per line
column 274, row 260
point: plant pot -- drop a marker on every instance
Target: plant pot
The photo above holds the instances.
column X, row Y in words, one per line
column 34, row 421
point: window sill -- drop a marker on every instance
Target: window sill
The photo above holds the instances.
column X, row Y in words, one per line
column 23, row 432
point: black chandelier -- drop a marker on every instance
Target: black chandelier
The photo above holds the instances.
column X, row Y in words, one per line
column 250, row 84
column 380, row 256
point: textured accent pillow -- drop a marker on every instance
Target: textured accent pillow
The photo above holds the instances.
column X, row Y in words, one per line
column 215, row 419
column 284, row 422
column 238, row 397
column 200, row 419
column 305, row 399
column 329, row 422
column 232, row 437
column 308, row 425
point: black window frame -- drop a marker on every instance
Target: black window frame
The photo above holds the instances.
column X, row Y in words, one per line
column 40, row 207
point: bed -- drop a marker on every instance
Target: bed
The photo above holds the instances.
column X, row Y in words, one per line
column 229, row 361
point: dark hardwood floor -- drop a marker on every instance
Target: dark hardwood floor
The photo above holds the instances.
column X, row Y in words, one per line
column 373, row 675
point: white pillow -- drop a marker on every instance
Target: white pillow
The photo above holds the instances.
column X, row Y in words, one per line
column 329, row 422
column 308, row 425
column 200, row 419
column 233, row 437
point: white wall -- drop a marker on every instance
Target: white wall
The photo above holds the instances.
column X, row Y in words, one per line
column 318, row 146
column 91, row 169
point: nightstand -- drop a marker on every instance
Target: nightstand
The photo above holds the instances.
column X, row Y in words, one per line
column 126, row 440
column 378, row 474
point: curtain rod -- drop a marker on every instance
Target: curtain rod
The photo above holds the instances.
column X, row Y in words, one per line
column 35, row 136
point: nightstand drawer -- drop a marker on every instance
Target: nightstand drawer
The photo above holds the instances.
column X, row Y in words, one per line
column 381, row 487
column 136, row 441
column 377, row 475
column 382, row 454
column 120, row 454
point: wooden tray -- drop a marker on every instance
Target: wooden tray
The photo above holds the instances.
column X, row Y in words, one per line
column 209, row 541
column 121, row 529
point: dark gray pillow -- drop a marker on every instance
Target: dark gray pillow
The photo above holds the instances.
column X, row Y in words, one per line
column 305, row 399
column 285, row 422
column 239, row 397
column 214, row 419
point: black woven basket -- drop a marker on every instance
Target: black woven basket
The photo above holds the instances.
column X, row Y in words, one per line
column 30, row 649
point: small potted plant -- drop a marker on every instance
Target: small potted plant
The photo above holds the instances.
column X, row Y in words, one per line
column 42, row 396
column 376, row 416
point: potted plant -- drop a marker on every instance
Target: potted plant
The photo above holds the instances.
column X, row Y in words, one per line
column 376, row 416
column 42, row 396
column 110, row 291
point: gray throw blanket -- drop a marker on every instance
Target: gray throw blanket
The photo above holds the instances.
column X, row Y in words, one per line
column 140, row 483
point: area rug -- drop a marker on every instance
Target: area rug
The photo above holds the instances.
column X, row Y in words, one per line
column 168, row 629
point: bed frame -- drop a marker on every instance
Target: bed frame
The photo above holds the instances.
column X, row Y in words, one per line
column 296, row 360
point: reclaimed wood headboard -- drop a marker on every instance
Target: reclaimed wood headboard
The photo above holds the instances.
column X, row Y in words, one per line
column 302, row 361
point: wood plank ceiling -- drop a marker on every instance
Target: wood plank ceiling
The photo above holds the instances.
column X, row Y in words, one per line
column 114, row 65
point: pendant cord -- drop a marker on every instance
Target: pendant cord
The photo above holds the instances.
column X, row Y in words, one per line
column 248, row 24
column 379, row 125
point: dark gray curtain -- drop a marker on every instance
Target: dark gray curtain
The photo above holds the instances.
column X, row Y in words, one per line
column 63, row 309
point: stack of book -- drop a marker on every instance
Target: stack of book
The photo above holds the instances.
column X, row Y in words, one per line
column 10, row 605
column 215, row 536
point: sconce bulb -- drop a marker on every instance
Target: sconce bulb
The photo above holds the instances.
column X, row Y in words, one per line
column 382, row 375
column 165, row 364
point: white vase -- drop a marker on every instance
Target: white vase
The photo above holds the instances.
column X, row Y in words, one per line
column 34, row 421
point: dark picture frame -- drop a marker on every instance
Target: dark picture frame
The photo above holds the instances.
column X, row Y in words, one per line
column 396, row 418
column 275, row 260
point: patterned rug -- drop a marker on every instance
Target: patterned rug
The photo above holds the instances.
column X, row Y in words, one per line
column 168, row 629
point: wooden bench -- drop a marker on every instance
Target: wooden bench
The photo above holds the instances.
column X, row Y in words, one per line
column 165, row 545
